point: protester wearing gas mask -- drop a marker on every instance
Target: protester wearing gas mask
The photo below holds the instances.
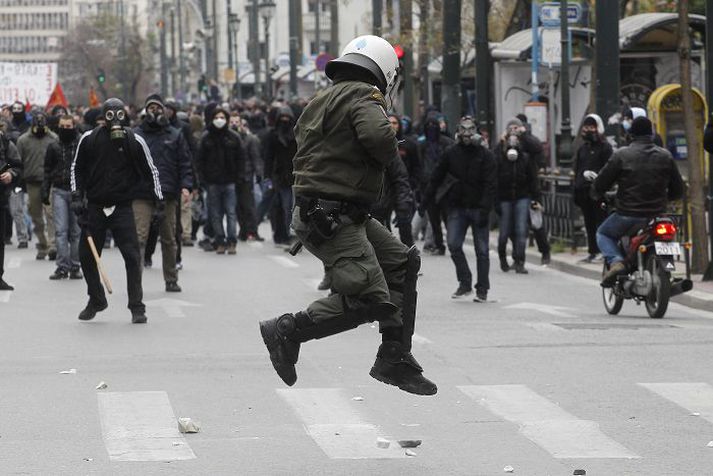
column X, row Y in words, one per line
column 466, row 177
column 32, row 146
column 518, row 190
column 220, row 157
column 171, row 156
column 109, row 162
column 56, row 184
column 589, row 159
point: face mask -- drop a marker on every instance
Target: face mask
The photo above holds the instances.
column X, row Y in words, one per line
column 512, row 155
column 588, row 136
column 67, row 135
column 626, row 124
column 219, row 123
column 39, row 131
column 513, row 141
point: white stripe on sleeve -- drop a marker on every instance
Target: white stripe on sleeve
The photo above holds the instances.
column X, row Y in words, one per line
column 73, row 177
column 154, row 170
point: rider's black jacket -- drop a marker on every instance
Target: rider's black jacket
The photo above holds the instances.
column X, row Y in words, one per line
column 647, row 177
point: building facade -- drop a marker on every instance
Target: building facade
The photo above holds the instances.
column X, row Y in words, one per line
column 33, row 30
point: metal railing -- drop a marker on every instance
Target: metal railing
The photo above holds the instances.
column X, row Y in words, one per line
column 562, row 218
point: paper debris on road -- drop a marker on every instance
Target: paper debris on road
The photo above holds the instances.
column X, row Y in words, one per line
column 409, row 443
column 101, row 385
column 410, row 453
column 358, row 399
column 70, row 371
column 88, row 459
column 186, row 425
column 382, row 443
column 695, row 414
column 710, row 444
column 509, row 469
column 177, row 443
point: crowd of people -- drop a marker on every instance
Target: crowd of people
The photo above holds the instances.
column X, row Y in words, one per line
column 226, row 168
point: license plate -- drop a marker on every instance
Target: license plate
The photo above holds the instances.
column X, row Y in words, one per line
column 667, row 249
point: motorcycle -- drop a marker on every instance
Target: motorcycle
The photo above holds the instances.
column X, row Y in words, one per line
column 650, row 256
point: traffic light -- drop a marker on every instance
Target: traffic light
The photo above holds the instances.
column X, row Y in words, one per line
column 101, row 77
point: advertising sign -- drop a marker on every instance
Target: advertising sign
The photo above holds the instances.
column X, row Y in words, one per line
column 24, row 82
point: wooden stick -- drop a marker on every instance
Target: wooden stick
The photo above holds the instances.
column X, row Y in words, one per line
column 105, row 278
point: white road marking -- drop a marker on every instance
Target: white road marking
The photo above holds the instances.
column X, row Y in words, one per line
column 419, row 339
column 335, row 426
column 255, row 244
column 696, row 397
column 284, row 261
column 545, row 326
column 14, row 263
column 172, row 307
column 544, row 308
column 700, row 295
column 5, row 296
column 141, row 426
column 561, row 434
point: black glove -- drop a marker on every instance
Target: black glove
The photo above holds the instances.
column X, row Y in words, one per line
column 160, row 210
column 45, row 196
column 258, row 179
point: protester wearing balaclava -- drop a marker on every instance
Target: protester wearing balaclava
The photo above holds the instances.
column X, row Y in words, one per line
column 589, row 158
column 19, row 118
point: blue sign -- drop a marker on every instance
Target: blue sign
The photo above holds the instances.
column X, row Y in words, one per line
column 550, row 13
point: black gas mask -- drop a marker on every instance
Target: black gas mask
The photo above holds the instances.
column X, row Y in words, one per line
column 39, row 125
column 156, row 119
column 467, row 132
column 114, row 115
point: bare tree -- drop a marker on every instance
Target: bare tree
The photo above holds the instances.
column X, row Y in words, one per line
column 93, row 48
column 699, row 259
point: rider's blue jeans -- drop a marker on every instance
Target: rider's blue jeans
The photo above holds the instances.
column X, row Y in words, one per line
column 611, row 230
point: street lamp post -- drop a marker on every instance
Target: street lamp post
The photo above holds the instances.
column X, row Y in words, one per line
column 234, row 21
column 267, row 8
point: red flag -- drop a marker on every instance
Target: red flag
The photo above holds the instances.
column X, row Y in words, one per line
column 93, row 99
column 28, row 106
column 57, row 98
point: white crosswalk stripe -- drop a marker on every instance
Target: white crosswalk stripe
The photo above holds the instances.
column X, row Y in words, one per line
column 561, row 434
column 696, row 397
column 336, row 426
column 141, row 426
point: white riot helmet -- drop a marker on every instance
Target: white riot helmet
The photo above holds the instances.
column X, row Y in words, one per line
column 374, row 54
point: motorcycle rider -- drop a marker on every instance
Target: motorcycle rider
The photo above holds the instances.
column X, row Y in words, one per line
column 344, row 143
column 648, row 178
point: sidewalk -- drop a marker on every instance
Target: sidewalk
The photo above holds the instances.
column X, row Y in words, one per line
column 700, row 297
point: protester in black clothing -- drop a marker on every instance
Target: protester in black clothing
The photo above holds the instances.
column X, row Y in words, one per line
column 247, row 212
column 10, row 159
column 432, row 145
column 110, row 161
column 280, row 149
column 589, row 159
column 56, row 183
column 467, row 176
column 19, row 124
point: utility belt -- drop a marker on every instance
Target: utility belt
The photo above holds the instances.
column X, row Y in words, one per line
column 323, row 217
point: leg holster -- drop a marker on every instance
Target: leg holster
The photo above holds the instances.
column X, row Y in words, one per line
column 300, row 328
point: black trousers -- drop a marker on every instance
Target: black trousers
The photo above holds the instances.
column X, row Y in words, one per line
column 247, row 212
column 7, row 217
column 4, row 225
column 122, row 226
column 593, row 217
column 437, row 215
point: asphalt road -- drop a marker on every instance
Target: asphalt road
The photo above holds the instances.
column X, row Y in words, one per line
column 541, row 379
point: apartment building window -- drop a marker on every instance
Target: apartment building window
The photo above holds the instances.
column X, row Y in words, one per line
column 323, row 5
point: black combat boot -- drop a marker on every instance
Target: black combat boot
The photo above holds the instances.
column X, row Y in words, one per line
column 396, row 366
column 91, row 310
column 138, row 317
column 284, row 352
column 4, row 286
column 504, row 266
